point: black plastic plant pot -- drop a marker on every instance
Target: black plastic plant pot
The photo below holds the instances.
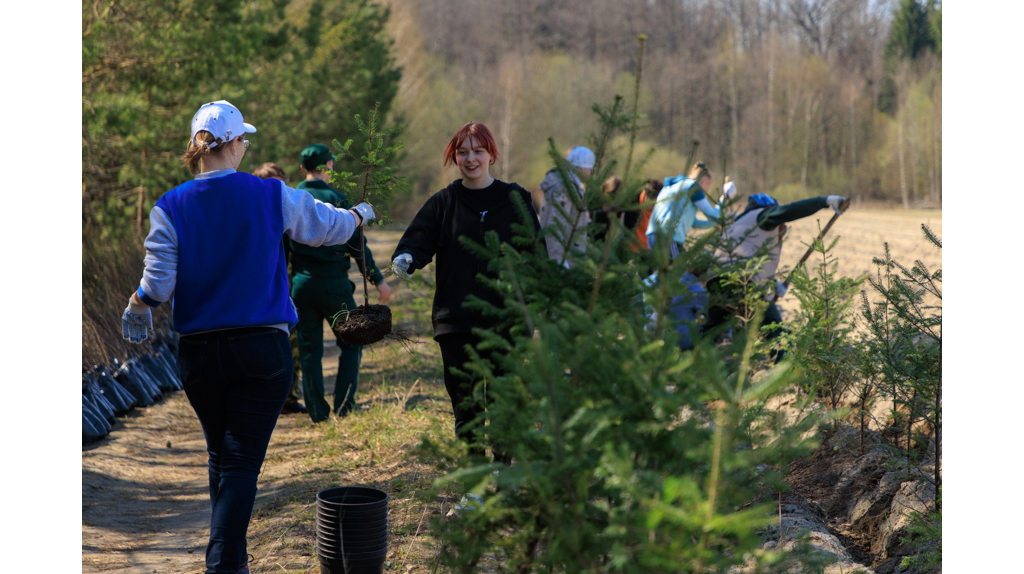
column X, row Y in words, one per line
column 354, row 504
column 354, row 497
column 354, row 553
column 351, row 516
column 352, row 527
column 374, row 566
column 354, row 534
column 351, row 545
column 354, row 563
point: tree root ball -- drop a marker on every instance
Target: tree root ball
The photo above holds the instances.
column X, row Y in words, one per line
column 363, row 325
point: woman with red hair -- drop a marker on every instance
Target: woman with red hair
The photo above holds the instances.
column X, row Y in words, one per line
column 470, row 206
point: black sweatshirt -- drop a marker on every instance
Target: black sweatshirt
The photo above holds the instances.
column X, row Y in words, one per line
column 448, row 214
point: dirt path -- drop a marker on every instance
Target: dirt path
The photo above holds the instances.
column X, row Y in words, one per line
column 145, row 496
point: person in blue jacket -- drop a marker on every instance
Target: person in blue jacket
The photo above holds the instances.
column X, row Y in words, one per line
column 675, row 212
column 672, row 217
column 215, row 247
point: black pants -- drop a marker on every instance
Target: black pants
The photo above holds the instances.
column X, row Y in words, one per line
column 459, row 387
column 725, row 305
column 237, row 381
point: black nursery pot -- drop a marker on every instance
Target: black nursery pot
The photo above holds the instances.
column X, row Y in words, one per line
column 352, row 562
column 354, row 498
column 351, row 530
column 357, row 532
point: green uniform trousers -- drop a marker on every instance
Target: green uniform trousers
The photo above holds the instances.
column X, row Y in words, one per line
column 316, row 299
column 295, row 394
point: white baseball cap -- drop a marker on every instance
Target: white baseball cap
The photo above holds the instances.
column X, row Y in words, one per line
column 221, row 119
column 581, row 157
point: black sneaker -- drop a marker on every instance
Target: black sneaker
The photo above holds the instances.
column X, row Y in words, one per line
column 293, row 408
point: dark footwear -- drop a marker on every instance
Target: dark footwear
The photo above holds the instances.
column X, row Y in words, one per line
column 292, row 408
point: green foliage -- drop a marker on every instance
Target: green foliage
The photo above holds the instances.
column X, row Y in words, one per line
column 147, row 67
column 905, row 338
column 824, row 324
column 630, row 455
column 378, row 180
column 925, row 535
column 910, row 34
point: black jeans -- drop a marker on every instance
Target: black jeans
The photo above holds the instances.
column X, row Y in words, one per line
column 237, row 381
column 727, row 307
column 460, row 388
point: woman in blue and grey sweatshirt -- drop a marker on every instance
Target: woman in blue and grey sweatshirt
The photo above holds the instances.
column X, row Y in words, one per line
column 215, row 246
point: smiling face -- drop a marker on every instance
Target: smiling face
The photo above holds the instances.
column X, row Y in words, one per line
column 473, row 161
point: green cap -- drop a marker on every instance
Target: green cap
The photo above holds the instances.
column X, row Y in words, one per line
column 315, row 156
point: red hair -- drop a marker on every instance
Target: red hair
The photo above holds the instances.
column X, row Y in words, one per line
column 474, row 130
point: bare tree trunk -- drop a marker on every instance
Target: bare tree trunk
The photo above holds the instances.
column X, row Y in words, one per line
column 770, row 172
column 853, row 147
column 808, row 110
column 903, row 170
column 937, row 149
column 506, row 135
column 734, row 103
column 912, row 151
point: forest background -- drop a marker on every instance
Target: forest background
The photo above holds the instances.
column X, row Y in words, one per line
column 791, row 97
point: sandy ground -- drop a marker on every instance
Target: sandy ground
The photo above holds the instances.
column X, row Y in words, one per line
column 145, row 504
column 862, row 235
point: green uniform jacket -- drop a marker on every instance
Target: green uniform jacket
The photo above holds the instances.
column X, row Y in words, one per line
column 332, row 261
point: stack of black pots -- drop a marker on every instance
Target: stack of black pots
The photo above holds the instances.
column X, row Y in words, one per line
column 352, row 530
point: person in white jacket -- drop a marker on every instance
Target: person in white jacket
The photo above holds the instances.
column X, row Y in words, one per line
column 559, row 213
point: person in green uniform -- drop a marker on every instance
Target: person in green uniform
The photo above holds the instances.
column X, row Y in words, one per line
column 291, row 404
column 321, row 288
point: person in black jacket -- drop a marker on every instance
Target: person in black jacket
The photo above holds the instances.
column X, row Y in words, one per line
column 470, row 207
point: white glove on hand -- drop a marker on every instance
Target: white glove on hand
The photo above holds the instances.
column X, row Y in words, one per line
column 400, row 266
column 729, row 191
column 838, row 203
column 780, row 290
column 136, row 323
column 365, row 212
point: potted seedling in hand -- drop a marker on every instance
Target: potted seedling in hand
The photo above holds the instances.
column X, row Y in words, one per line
column 368, row 324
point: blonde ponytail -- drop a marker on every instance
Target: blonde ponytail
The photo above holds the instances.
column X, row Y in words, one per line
column 195, row 153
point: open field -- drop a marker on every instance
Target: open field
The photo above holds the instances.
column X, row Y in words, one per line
column 144, row 487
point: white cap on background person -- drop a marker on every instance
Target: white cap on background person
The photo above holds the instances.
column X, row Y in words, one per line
column 221, row 119
column 581, row 157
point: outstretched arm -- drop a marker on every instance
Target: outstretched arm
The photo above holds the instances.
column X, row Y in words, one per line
column 313, row 222
column 420, row 239
column 775, row 216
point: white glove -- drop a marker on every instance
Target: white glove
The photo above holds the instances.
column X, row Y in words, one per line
column 401, row 264
column 838, row 203
column 365, row 213
column 780, row 290
column 136, row 323
column 729, row 191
